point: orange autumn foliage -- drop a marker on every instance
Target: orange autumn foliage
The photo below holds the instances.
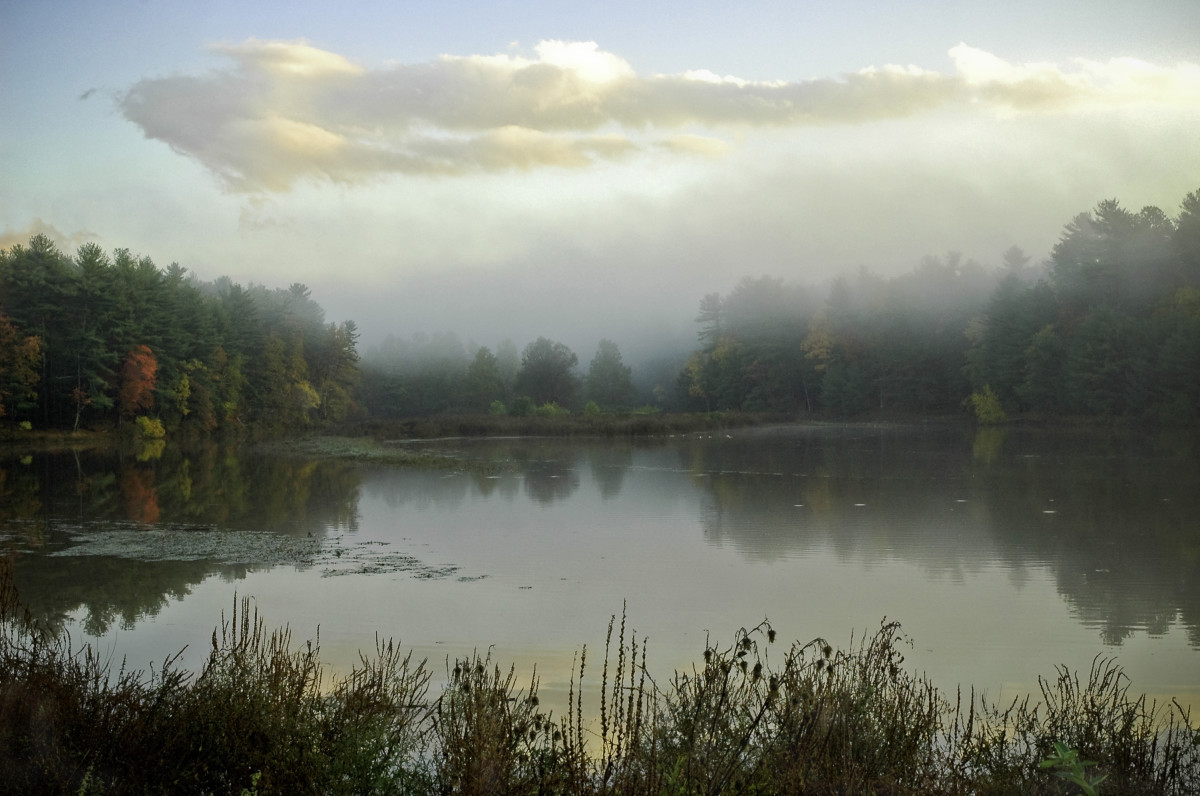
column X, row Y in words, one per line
column 137, row 380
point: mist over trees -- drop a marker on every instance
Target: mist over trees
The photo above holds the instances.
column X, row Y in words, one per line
column 870, row 344
column 1108, row 327
column 1113, row 330
column 432, row 374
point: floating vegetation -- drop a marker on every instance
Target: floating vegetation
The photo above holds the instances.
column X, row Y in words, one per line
column 332, row 555
column 174, row 543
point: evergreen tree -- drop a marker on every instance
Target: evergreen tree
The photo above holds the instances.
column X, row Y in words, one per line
column 609, row 381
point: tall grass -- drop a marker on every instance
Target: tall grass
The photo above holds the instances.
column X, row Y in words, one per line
column 755, row 715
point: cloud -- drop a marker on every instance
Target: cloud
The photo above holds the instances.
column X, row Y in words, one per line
column 1091, row 84
column 283, row 112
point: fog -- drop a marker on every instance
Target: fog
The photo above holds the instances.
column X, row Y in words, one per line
column 565, row 189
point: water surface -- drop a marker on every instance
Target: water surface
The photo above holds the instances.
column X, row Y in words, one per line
column 1003, row 553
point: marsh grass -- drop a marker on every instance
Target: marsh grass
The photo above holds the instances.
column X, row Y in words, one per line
column 756, row 715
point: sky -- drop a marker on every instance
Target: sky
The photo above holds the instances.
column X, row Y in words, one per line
column 582, row 170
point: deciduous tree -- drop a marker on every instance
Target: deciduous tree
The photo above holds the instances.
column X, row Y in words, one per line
column 138, row 375
column 20, row 357
column 547, row 373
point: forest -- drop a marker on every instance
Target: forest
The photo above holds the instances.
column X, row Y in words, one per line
column 93, row 341
column 1108, row 326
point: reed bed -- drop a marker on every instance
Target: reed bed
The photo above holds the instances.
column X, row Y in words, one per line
column 755, row 715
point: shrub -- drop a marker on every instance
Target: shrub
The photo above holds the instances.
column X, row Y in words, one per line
column 988, row 409
column 150, row 428
column 551, row 409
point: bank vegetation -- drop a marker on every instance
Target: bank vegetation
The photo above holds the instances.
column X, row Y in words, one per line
column 754, row 715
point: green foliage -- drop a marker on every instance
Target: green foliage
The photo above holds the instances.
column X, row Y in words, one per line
column 1070, row 767
column 609, row 380
column 1103, row 329
column 497, row 408
column 483, row 380
column 111, row 330
column 150, row 428
column 988, row 409
column 1043, row 388
column 591, row 408
column 547, row 373
column 550, row 409
column 1100, row 331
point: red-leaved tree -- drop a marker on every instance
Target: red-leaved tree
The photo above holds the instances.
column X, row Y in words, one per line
column 137, row 380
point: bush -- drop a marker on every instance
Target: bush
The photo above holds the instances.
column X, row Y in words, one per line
column 988, row 409
column 150, row 428
column 551, row 409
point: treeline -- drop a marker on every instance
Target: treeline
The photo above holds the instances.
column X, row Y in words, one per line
column 1109, row 326
column 427, row 375
column 96, row 340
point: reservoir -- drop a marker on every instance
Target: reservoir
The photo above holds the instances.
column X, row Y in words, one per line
column 1003, row 553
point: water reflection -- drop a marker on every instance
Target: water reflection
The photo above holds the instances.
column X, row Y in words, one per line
column 1113, row 516
column 609, row 464
column 1110, row 516
column 117, row 532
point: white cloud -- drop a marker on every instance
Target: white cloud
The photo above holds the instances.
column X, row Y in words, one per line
column 288, row 111
column 586, row 60
column 297, row 59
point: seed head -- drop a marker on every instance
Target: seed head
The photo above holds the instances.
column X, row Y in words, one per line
column 770, row 635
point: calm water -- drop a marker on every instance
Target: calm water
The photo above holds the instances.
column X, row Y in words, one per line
column 1002, row 553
